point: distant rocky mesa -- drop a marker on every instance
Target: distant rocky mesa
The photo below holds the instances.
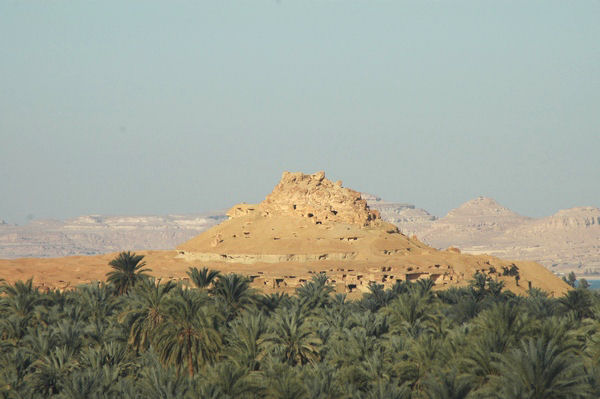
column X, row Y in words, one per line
column 96, row 234
column 313, row 197
column 407, row 217
column 566, row 241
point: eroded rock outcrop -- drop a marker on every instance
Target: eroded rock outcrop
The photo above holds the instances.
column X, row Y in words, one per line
column 314, row 197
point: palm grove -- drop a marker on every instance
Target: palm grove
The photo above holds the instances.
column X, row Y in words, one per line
column 139, row 337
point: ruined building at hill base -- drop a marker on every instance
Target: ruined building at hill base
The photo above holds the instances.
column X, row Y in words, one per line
column 309, row 225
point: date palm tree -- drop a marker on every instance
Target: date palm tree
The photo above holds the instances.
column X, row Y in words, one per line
column 50, row 371
column 234, row 293
column 502, row 325
column 189, row 337
column 246, row 343
column 146, row 311
column 411, row 313
column 315, row 293
column 447, row 385
column 20, row 298
column 14, row 367
column 98, row 300
column 321, row 381
column 202, row 278
column 539, row 369
column 377, row 297
column 538, row 304
column 162, row 382
column 112, row 357
column 68, row 334
column 232, row 380
column 13, row 328
column 578, row 301
column 293, row 337
column 127, row 271
column 270, row 302
column 83, row 385
column 282, row 381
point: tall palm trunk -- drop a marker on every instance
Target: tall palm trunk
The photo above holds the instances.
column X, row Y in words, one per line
column 190, row 366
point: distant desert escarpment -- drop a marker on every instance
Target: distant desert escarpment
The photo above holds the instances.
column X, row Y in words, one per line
column 98, row 234
column 307, row 225
column 566, row 241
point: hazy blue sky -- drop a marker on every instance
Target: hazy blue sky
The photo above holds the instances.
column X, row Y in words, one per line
column 119, row 107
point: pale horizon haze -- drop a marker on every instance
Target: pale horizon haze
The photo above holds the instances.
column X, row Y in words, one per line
column 133, row 108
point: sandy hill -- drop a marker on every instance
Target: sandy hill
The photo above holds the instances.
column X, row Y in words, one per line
column 305, row 219
column 307, row 225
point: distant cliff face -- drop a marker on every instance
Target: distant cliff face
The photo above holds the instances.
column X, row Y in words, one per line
column 96, row 234
column 410, row 220
column 567, row 219
column 567, row 240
